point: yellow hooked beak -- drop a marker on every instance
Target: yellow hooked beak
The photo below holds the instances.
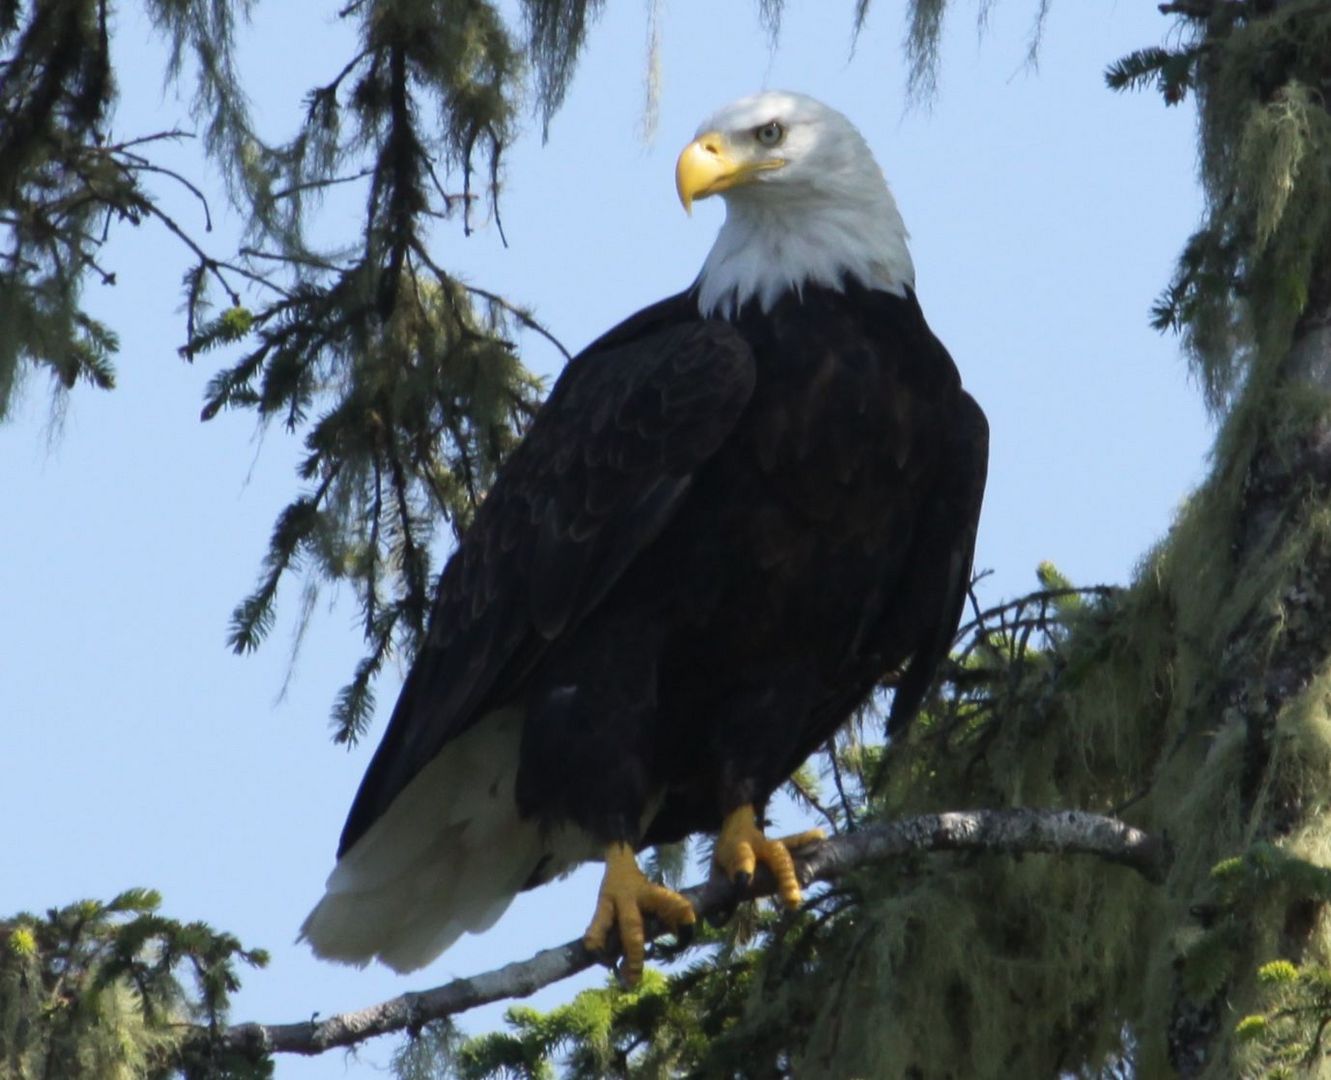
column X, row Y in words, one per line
column 708, row 166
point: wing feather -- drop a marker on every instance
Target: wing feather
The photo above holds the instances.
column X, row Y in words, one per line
column 604, row 468
column 947, row 528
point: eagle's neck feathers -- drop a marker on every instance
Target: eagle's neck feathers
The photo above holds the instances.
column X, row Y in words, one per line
column 772, row 243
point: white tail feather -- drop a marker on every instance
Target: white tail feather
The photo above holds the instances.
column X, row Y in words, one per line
column 446, row 858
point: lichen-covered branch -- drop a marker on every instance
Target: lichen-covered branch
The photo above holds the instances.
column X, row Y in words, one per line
column 996, row 832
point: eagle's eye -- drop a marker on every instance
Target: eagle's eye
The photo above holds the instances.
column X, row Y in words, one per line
column 770, row 134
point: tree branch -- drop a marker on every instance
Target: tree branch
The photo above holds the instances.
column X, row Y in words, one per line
column 999, row 832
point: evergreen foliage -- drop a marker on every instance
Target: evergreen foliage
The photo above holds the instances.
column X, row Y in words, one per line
column 690, row 1022
column 1244, row 278
column 58, row 180
column 1196, row 703
column 402, row 379
column 95, row 990
column 1291, row 1035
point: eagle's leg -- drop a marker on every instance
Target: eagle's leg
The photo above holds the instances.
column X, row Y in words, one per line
column 627, row 896
column 741, row 845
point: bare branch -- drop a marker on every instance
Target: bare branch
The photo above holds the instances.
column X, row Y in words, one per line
column 997, row 832
column 1039, row 596
column 321, row 184
column 523, row 316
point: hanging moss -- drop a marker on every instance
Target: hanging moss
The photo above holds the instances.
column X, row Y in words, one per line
column 1265, row 152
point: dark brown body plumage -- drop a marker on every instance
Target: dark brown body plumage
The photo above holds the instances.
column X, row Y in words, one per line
column 714, row 541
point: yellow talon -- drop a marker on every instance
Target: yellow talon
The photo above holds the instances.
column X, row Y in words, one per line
column 627, row 896
column 742, row 845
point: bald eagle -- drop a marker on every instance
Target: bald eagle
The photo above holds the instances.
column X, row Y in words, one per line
column 736, row 513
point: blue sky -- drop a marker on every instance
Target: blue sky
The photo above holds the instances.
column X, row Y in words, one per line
column 1045, row 214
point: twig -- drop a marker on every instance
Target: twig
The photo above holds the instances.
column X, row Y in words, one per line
column 524, row 317
column 846, row 808
column 999, row 832
column 320, row 184
column 132, row 163
column 312, row 261
column 800, row 794
column 329, row 90
column 1040, row 595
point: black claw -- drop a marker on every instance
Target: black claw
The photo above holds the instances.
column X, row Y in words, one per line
column 718, row 917
column 667, row 952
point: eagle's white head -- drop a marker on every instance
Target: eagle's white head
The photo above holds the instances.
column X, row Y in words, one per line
column 805, row 203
